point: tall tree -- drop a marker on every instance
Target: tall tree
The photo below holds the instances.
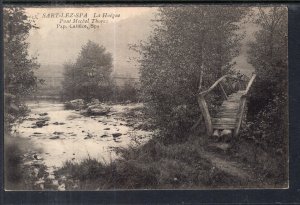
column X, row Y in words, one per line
column 189, row 49
column 90, row 76
column 268, row 54
column 19, row 78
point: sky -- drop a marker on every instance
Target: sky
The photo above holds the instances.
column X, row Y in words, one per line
column 55, row 43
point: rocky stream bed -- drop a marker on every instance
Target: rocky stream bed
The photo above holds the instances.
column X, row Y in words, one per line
column 59, row 135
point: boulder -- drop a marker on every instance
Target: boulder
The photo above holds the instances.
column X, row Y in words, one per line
column 59, row 123
column 115, row 135
column 41, row 123
column 54, row 137
column 76, row 104
column 58, row 133
column 43, row 118
column 97, row 109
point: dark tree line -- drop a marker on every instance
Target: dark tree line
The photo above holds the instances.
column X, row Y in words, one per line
column 19, row 78
column 268, row 106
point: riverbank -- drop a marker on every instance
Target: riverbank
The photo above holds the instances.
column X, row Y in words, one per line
column 66, row 135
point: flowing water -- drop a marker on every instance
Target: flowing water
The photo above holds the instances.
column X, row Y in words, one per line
column 69, row 135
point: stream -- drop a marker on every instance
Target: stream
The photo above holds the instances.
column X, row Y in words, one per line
column 70, row 136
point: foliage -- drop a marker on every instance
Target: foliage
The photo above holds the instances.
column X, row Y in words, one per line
column 18, row 174
column 89, row 77
column 189, row 49
column 129, row 92
column 19, row 78
column 267, row 117
column 268, row 54
column 268, row 103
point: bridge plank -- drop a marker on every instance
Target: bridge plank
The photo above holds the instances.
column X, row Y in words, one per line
column 223, row 123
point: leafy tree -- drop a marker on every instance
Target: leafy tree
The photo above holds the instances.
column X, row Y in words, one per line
column 189, row 49
column 268, row 54
column 90, row 76
column 19, row 78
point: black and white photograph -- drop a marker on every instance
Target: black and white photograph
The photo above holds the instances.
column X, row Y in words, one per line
column 164, row 97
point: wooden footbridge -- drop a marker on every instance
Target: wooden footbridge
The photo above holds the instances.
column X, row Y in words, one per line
column 228, row 117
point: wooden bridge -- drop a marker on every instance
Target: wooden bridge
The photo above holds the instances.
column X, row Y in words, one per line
column 228, row 117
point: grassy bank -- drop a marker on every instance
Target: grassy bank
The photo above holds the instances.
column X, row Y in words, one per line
column 153, row 165
column 176, row 166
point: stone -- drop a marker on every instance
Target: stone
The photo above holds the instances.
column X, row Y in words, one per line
column 43, row 118
column 104, row 136
column 59, row 123
column 54, row 138
column 40, row 123
column 107, row 128
column 216, row 133
column 226, row 133
column 115, row 135
column 76, row 104
column 43, row 114
column 97, row 110
column 224, row 147
column 58, row 133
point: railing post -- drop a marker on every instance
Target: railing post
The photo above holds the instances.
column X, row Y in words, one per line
column 205, row 114
column 242, row 107
column 221, row 86
column 240, row 116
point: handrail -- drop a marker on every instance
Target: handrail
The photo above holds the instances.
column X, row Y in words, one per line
column 249, row 84
column 242, row 106
column 203, row 93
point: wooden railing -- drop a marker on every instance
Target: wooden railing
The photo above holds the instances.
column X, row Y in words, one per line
column 242, row 107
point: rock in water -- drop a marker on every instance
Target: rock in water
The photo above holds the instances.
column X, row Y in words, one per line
column 54, row 138
column 76, row 104
column 115, row 135
column 97, row 110
column 40, row 123
column 59, row 123
column 58, row 133
column 43, row 118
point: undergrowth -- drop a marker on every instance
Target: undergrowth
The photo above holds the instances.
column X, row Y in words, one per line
column 150, row 166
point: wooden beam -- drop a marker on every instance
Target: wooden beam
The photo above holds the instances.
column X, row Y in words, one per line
column 240, row 114
column 205, row 114
column 213, row 86
column 221, row 86
column 249, row 84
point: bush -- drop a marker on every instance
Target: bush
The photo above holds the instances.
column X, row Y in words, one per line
column 127, row 93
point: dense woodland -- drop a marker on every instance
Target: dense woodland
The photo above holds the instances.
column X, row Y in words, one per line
column 190, row 48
